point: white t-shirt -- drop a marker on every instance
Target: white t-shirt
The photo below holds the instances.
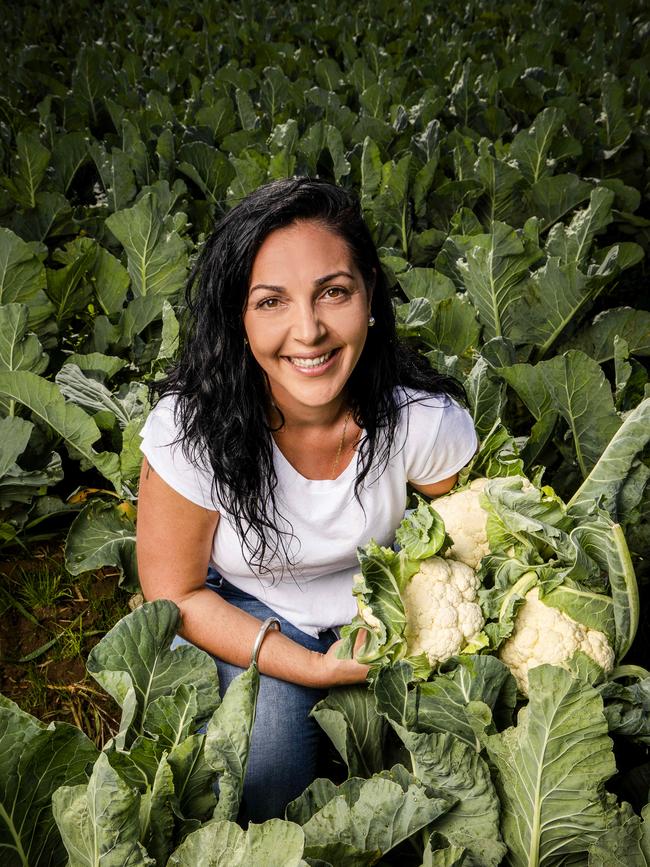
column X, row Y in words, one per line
column 434, row 439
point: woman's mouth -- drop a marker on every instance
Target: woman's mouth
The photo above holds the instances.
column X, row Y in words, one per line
column 314, row 364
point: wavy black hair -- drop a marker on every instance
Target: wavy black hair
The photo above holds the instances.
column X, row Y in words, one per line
column 222, row 394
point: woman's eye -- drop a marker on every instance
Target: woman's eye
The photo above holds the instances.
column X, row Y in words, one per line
column 268, row 304
column 335, row 292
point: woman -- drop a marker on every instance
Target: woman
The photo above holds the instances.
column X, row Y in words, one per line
column 283, row 439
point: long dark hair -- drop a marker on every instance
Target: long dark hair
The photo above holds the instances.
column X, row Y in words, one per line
column 222, row 395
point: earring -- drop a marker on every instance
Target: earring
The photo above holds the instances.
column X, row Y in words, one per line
column 371, row 321
column 245, row 342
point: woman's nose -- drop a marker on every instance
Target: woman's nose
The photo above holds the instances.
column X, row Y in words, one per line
column 308, row 326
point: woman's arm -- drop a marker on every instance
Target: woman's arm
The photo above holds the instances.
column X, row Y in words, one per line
column 437, row 488
column 174, row 540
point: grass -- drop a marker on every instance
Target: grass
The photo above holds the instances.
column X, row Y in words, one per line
column 50, row 622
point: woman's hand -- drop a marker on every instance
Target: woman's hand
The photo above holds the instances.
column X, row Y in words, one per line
column 341, row 672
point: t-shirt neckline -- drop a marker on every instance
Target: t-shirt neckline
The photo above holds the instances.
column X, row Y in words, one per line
column 323, row 483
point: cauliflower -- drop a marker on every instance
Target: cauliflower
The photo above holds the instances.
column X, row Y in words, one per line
column 442, row 614
column 547, row 635
column 465, row 523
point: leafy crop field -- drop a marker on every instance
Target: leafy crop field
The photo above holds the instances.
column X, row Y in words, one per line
column 501, row 152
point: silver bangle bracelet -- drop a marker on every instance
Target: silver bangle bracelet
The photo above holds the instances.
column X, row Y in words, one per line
column 269, row 623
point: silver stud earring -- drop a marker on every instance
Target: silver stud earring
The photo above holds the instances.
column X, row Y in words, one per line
column 371, row 321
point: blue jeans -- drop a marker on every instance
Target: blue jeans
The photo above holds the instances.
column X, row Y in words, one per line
column 286, row 741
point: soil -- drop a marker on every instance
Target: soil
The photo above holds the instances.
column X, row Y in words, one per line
column 51, row 682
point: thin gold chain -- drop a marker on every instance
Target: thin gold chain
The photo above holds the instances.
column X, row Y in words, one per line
column 340, row 448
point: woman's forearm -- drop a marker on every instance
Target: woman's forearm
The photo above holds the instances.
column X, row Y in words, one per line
column 229, row 633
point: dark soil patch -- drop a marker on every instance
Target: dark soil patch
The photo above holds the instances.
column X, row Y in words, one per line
column 50, row 622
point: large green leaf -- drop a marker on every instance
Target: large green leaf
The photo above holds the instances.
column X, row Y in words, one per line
column 227, row 741
column 94, row 396
column 34, row 762
column 208, row 167
column 626, row 844
column 551, row 772
column 605, row 543
column 572, row 244
column 135, row 665
column 359, row 821
column 156, row 254
column 116, row 176
column 494, row 273
column 66, row 287
column 102, row 534
column 447, row 702
column 597, row 339
column 22, row 277
column 502, row 184
column 530, row 147
column 574, row 386
column 553, row 197
column 19, row 349
column 606, row 479
column 452, row 768
column 221, row 843
column 100, row 822
column 349, row 719
column 29, row 167
column 453, row 327
column 46, row 403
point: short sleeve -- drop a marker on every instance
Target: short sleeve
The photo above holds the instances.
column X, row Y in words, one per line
column 159, row 435
column 440, row 439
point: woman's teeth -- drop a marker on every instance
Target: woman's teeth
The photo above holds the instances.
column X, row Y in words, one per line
column 311, row 362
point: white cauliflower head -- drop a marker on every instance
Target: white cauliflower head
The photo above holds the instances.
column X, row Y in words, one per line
column 442, row 614
column 465, row 523
column 547, row 635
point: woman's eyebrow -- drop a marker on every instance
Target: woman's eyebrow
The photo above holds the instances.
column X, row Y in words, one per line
column 269, row 287
column 320, row 280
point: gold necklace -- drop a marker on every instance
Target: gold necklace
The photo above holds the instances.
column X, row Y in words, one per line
column 340, row 448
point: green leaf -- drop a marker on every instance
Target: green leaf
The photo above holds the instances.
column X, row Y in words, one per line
column 22, row 278
column 210, row 170
column 116, row 175
column 170, row 718
column 194, row 779
column 110, row 281
column 494, row 272
column 28, row 168
column 553, row 197
column 93, row 396
column 247, row 114
column 34, row 762
column 616, row 128
column 422, row 533
column 551, row 771
column 530, row 147
column 439, row 853
column 450, row 767
column 227, row 741
column 99, row 366
column 348, row 717
column 370, row 172
column 102, row 534
column 486, row 394
column 441, row 705
column 19, row 350
column 501, row 184
column 426, row 283
column 134, row 664
column 607, row 476
column 625, row 844
column 363, row 818
column 597, row 339
column 220, row 843
column 66, row 287
column 45, row 402
column 156, row 255
column 14, row 436
column 605, row 543
column 69, row 153
column 100, row 822
column 51, row 212
column 453, row 328
column 572, row 244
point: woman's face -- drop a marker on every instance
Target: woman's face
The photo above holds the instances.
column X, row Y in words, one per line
column 306, row 316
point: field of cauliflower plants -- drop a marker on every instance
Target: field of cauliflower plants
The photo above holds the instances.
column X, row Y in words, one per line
column 501, row 152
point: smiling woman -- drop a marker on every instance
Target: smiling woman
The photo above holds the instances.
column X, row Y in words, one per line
column 283, row 439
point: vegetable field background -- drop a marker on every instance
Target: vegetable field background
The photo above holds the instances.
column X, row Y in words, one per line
column 501, row 152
